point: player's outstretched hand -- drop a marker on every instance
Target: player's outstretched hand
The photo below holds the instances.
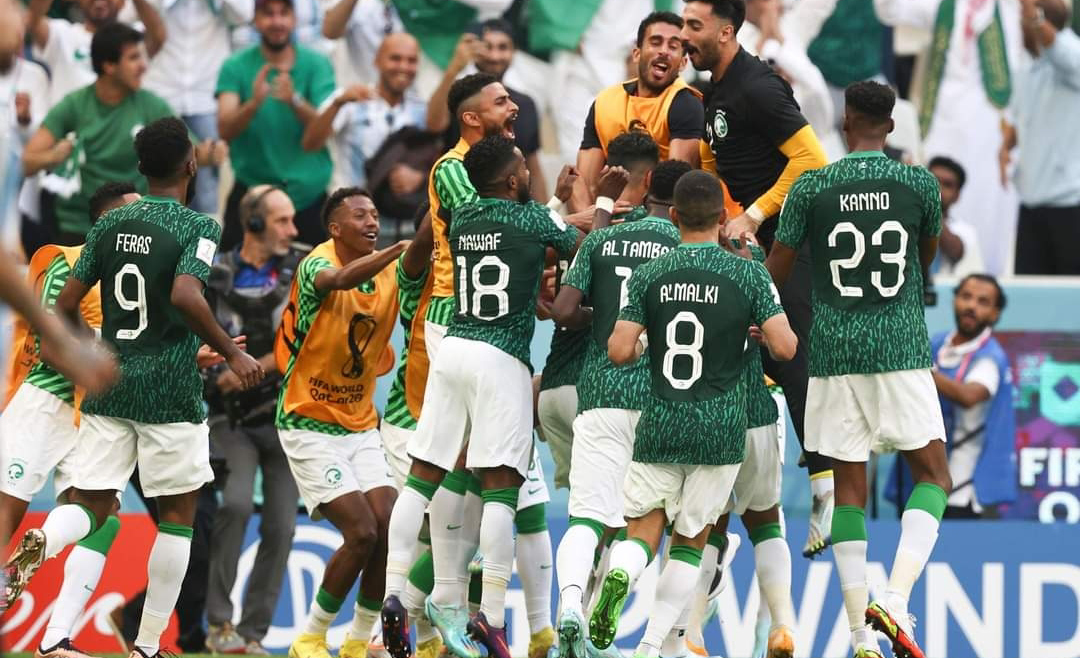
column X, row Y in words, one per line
column 756, row 334
column 564, row 186
column 612, row 181
column 86, row 362
column 247, row 368
column 207, row 357
column 739, row 225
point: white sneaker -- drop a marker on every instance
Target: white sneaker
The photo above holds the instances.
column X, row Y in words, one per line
column 819, row 536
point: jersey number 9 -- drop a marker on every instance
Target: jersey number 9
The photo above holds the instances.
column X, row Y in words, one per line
column 127, row 304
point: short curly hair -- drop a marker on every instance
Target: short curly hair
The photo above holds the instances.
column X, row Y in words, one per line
column 105, row 196
column 488, row 160
column 872, row 100
column 465, row 88
column 664, row 177
column 163, row 148
column 337, row 199
column 633, row 150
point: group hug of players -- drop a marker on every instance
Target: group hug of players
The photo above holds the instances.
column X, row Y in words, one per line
column 668, row 314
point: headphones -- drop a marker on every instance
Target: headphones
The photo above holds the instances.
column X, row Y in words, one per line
column 256, row 223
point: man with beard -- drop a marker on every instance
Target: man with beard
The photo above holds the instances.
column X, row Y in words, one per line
column 64, row 46
column 762, row 143
column 267, row 95
column 362, row 117
column 479, row 394
column 85, row 140
column 491, row 50
column 482, row 107
column 342, row 309
column 975, row 386
column 657, row 101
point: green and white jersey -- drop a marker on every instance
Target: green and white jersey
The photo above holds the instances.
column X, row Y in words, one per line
column 136, row 251
column 864, row 217
column 410, row 292
column 761, row 408
column 566, row 357
column 602, row 270
column 697, row 303
column 498, row 251
column 42, row 374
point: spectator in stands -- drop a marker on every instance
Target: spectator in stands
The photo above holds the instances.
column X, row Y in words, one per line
column 364, row 24
column 657, row 101
column 958, row 247
column 185, row 72
column 248, row 290
column 64, row 47
column 974, row 383
column 960, row 105
column 491, row 50
column 589, row 42
column 267, row 95
column 26, row 84
column 306, row 32
column 362, row 117
column 85, row 140
column 1048, row 175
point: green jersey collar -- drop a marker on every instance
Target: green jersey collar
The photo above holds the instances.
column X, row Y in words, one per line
column 865, row 154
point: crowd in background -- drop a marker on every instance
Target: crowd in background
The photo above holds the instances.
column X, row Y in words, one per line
column 306, row 94
column 286, row 99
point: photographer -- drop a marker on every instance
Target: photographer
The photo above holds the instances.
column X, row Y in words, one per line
column 248, row 290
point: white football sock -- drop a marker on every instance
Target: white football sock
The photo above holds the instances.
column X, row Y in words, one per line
column 534, row 570
column 772, row 562
column 446, row 516
column 497, row 545
column 574, row 562
column 82, row 571
column 405, row 523
column 165, row 573
column 918, row 534
column 472, row 510
column 64, row 526
column 821, row 483
column 320, row 618
column 673, row 591
column 850, row 559
column 674, row 645
column 710, row 556
column 363, row 622
column 631, row 557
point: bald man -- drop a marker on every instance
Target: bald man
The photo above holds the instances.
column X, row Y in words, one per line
column 362, row 117
column 248, row 290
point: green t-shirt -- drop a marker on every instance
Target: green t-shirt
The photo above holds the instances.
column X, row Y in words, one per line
column 602, row 270
column 498, row 251
column 566, row 357
column 409, row 293
column 761, row 408
column 864, row 217
column 268, row 150
column 41, row 374
column 104, row 147
column 136, row 251
column 697, row 303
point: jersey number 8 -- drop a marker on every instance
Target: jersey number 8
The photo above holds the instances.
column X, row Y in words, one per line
column 481, row 290
column 691, row 350
column 137, row 304
column 896, row 258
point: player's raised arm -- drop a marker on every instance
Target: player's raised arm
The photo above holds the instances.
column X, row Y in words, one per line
column 187, row 297
column 417, row 257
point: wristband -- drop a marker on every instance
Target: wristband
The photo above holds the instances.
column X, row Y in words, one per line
column 557, row 205
column 605, row 203
column 755, row 214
